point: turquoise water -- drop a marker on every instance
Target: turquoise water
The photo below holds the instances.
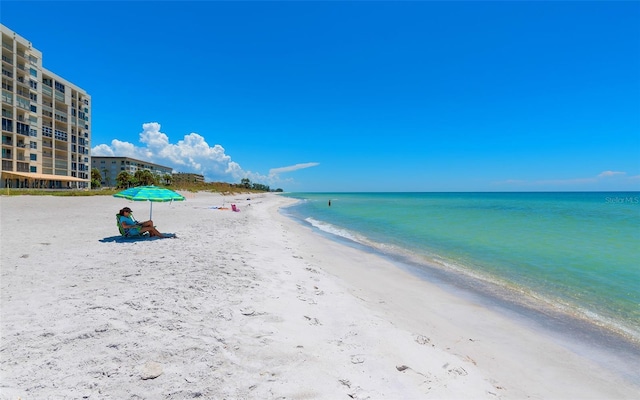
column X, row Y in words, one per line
column 578, row 253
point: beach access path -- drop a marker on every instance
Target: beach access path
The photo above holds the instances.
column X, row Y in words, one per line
column 247, row 305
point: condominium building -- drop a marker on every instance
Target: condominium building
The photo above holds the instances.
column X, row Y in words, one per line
column 110, row 166
column 187, row 177
column 46, row 122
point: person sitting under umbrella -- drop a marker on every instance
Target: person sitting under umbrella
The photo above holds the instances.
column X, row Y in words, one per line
column 133, row 227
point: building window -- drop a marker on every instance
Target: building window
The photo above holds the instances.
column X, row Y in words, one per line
column 33, row 169
column 33, row 84
column 7, row 125
column 33, row 157
column 33, row 145
column 7, row 97
column 59, row 87
column 23, row 129
column 33, row 72
column 34, row 108
column 23, row 103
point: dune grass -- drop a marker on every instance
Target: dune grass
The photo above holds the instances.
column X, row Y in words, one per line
column 213, row 187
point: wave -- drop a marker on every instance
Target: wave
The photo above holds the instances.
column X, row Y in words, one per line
column 332, row 229
column 497, row 287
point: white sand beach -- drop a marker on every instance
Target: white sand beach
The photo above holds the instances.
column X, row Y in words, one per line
column 247, row 305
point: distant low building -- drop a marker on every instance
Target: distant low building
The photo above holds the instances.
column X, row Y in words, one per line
column 186, row 177
column 111, row 166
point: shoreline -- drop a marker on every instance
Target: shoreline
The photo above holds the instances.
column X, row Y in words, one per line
column 613, row 350
column 248, row 305
column 530, row 308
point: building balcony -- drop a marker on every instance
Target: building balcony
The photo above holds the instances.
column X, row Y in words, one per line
column 7, row 86
column 22, row 167
column 23, row 82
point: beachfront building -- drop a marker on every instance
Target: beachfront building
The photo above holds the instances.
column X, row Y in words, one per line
column 187, row 177
column 110, row 166
column 46, row 122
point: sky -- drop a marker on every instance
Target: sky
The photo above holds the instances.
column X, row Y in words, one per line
column 333, row 96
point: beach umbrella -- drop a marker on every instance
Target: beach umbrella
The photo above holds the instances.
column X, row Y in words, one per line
column 149, row 193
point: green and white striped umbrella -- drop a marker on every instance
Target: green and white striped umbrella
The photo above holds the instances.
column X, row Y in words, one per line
column 149, row 193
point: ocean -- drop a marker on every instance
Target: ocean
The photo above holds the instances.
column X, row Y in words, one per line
column 567, row 254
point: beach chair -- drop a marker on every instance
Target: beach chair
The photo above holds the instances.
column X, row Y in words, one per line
column 234, row 208
column 123, row 231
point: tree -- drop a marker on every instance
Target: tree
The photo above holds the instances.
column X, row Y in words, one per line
column 144, row 177
column 246, row 182
column 124, row 179
column 167, row 179
column 261, row 187
column 96, row 178
column 107, row 177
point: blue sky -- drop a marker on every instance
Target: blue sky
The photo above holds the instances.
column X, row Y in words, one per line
column 357, row 96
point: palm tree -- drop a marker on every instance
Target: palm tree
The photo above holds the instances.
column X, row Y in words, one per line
column 107, row 177
column 124, row 179
column 95, row 178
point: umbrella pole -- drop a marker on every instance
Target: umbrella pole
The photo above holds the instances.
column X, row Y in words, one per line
column 150, row 210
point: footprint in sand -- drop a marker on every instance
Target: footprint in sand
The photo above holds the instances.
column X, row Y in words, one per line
column 247, row 311
column 357, row 359
column 423, row 340
column 313, row 321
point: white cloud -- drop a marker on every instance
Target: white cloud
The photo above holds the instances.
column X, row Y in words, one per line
column 191, row 154
column 276, row 171
column 606, row 174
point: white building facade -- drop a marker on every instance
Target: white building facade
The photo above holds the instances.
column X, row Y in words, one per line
column 46, row 122
column 111, row 166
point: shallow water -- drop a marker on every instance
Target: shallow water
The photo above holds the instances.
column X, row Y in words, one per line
column 574, row 254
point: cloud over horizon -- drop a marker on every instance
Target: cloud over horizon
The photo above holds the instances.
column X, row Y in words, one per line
column 191, row 154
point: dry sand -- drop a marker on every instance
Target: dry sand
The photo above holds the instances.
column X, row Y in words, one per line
column 247, row 305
